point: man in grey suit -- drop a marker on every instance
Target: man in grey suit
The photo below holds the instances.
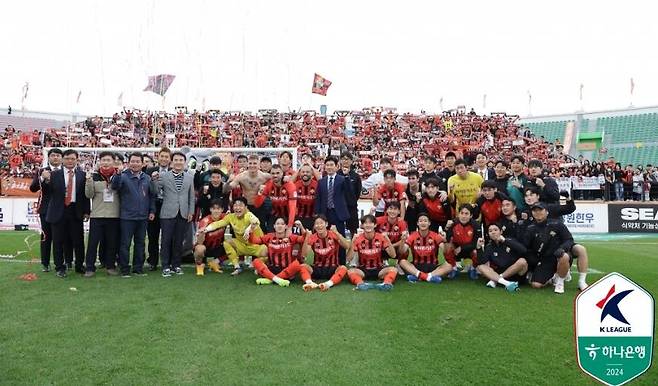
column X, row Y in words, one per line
column 177, row 188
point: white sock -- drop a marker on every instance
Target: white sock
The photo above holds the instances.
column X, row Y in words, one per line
column 582, row 276
column 429, row 276
column 277, row 279
column 309, row 281
column 329, row 283
column 501, row 280
column 417, row 274
column 559, row 280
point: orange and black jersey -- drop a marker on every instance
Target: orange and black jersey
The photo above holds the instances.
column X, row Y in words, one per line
column 464, row 235
column 439, row 212
column 490, row 209
column 306, row 198
column 279, row 250
column 425, row 249
column 371, row 252
column 394, row 231
column 325, row 250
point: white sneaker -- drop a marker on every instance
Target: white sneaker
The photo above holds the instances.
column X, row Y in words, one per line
column 568, row 277
column 559, row 288
column 582, row 285
column 552, row 281
column 491, row 284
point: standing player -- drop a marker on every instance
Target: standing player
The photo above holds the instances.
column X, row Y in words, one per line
column 414, row 193
column 463, row 187
column 249, row 182
column 324, row 245
column 307, row 187
column 281, row 264
column 425, row 246
column 390, row 191
column 283, row 195
column 210, row 244
column 462, row 238
column 371, row 247
column 500, row 261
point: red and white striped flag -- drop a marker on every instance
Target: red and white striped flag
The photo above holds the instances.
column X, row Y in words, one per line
column 320, row 85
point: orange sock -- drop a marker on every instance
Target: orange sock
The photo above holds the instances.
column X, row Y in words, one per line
column 390, row 276
column 262, row 269
column 338, row 276
column 305, row 274
column 355, row 278
column 422, row 276
column 290, row 271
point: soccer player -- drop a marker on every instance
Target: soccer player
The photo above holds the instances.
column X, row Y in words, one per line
column 500, row 260
column 550, row 193
column 307, row 187
column 324, row 245
column 213, row 190
column 210, row 244
column 425, row 246
column 512, row 224
column 463, row 187
column 283, row 195
column 281, row 264
column 549, row 243
column 462, row 236
column 435, row 204
column 489, row 203
column 243, row 223
column 390, row 191
column 371, row 247
column 414, row 193
column 395, row 228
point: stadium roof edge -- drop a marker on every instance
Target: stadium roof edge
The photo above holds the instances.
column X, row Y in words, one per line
column 588, row 114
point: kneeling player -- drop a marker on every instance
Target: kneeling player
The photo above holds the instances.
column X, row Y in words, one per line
column 210, row 244
column 371, row 247
column 281, row 264
column 462, row 238
column 395, row 228
column 324, row 245
column 425, row 247
column 501, row 259
column 549, row 241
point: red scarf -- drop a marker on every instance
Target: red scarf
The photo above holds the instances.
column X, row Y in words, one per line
column 107, row 172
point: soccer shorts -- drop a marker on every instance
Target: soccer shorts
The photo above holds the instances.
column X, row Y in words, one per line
column 323, row 273
column 238, row 248
column 370, row 274
column 425, row 267
column 215, row 252
column 545, row 270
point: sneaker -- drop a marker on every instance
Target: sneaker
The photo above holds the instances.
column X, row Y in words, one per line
column 384, row 286
column 512, row 286
column 125, row 275
column 459, row 266
column 412, row 278
column 214, row 266
column 453, row 274
column 263, row 281
column 559, row 288
column 139, row 273
column 491, row 284
column 363, row 286
column 45, row 268
column 200, row 268
column 179, row 271
column 112, row 272
column 582, row 286
column 61, row 274
column 236, row 271
column 166, row 272
column 308, row 287
column 436, row 279
column 472, row 273
column 568, row 277
column 283, row 283
column 90, row 274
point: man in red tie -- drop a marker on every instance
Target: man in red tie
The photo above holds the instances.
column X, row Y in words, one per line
column 67, row 209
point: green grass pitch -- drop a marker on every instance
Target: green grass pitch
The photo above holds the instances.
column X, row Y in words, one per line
column 224, row 330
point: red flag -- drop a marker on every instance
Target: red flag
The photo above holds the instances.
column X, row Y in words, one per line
column 159, row 84
column 320, row 85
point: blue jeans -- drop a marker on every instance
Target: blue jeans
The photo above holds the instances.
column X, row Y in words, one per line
column 619, row 191
column 132, row 230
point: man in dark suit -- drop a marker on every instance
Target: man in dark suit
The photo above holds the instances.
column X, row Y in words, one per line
column 347, row 171
column 54, row 163
column 67, row 209
column 153, row 227
column 334, row 192
column 481, row 167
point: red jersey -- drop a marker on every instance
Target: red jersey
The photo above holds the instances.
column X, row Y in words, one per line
column 283, row 199
column 325, row 251
column 389, row 195
column 306, row 198
column 438, row 211
column 370, row 251
column 394, row 230
column 215, row 238
column 463, row 235
column 279, row 250
column 490, row 209
column 425, row 250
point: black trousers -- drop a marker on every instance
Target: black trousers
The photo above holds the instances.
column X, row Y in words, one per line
column 68, row 230
column 46, row 240
column 174, row 231
column 153, row 232
column 105, row 231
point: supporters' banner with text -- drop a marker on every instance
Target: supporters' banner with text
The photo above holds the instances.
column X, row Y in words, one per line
column 19, row 187
column 585, row 183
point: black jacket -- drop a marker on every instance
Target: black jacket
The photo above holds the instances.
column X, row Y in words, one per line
column 503, row 254
column 548, row 240
column 550, row 193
